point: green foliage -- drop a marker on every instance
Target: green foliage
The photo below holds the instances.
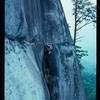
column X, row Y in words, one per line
column 90, row 85
column 86, row 11
column 80, row 54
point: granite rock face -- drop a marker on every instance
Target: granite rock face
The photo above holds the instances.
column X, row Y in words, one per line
column 29, row 25
column 23, row 80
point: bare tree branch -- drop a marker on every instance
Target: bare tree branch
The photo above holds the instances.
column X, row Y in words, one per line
column 79, row 18
column 84, row 25
column 79, row 37
column 82, row 19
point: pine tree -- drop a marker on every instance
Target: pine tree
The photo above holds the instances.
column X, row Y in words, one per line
column 85, row 14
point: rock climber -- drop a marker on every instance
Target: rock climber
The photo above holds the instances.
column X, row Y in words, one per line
column 51, row 70
column 48, row 50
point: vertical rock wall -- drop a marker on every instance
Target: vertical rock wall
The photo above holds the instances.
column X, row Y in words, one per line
column 29, row 25
column 23, row 79
column 70, row 83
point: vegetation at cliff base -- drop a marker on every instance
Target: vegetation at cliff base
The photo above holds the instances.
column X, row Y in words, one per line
column 89, row 80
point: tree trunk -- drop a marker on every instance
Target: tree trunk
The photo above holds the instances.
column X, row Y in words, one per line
column 26, row 63
column 75, row 22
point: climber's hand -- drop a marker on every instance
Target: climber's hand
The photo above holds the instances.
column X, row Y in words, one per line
column 49, row 52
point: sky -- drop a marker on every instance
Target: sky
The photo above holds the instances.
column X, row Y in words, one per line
column 88, row 42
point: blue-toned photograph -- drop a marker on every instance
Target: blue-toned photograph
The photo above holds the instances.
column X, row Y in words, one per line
column 50, row 50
